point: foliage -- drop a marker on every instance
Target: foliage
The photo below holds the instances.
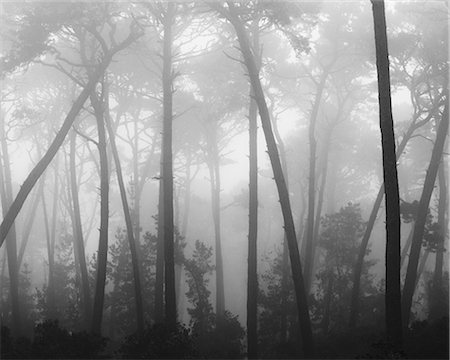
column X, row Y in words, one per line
column 159, row 342
column 339, row 242
column 50, row 341
column 197, row 268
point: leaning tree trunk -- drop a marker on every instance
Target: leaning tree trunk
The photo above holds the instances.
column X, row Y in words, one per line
column 392, row 299
column 128, row 223
column 419, row 226
column 252, row 275
column 78, row 243
column 167, row 171
column 299, row 285
column 102, row 254
column 437, row 308
column 11, row 245
column 40, row 167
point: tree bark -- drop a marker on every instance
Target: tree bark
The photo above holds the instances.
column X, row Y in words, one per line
column 392, row 299
column 167, row 170
column 78, row 243
column 128, row 223
column 419, row 226
column 299, row 285
column 102, row 253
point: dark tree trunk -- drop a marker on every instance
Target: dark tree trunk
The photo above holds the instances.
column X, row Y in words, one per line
column 354, row 308
column 128, row 223
column 167, row 171
column 252, row 275
column 11, row 244
column 102, row 253
column 40, row 167
column 299, row 285
column 78, row 243
column 392, row 299
column 419, row 226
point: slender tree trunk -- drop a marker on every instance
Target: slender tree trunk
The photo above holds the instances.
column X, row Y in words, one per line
column 393, row 314
column 102, row 253
column 40, row 167
column 419, row 226
column 309, row 258
column 78, row 243
column 128, row 222
column 252, row 275
column 167, row 171
column 11, row 244
column 437, row 309
column 299, row 285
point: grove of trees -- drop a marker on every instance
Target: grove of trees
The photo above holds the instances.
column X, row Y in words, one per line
column 224, row 179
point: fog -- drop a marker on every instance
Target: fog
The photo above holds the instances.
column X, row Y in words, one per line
column 167, row 166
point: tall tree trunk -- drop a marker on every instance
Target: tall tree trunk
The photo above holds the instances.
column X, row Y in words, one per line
column 392, row 299
column 102, row 253
column 354, row 308
column 252, row 275
column 11, row 244
column 299, row 285
column 40, row 167
column 128, row 223
column 422, row 263
column 309, row 258
column 437, row 309
column 78, row 243
column 419, row 226
column 167, row 170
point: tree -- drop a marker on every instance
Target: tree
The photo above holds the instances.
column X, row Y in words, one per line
column 249, row 58
column 393, row 301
